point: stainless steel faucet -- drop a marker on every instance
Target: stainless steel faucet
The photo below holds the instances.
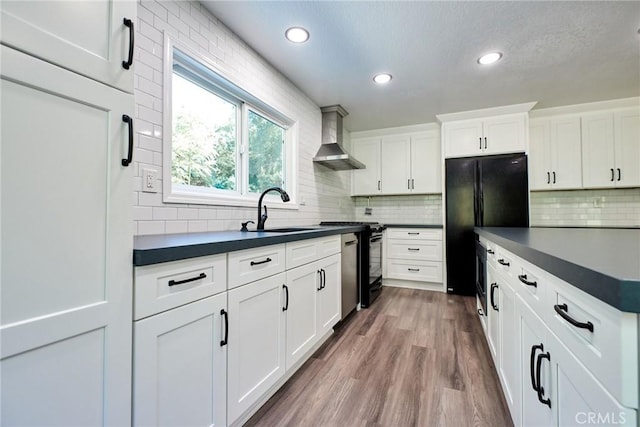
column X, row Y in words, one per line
column 262, row 217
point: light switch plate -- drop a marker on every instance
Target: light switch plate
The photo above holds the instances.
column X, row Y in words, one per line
column 149, row 180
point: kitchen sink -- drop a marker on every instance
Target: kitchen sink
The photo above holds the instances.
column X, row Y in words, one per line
column 284, row 230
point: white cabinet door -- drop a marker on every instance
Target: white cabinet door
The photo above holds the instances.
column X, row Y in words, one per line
column 504, row 134
column 493, row 312
column 510, row 354
column 566, row 153
column 426, row 164
column 627, row 147
column 88, row 37
column 538, row 394
column 366, row 181
column 180, row 366
column 66, row 293
column 598, row 156
column 330, row 296
column 256, row 352
column 463, row 138
column 581, row 399
column 303, row 285
column 396, row 165
column 539, row 155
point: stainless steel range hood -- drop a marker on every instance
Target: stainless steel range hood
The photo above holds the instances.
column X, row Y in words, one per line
column 331, row 154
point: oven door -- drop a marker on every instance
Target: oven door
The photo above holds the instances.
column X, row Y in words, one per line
column 481, row 275
column 375, row 258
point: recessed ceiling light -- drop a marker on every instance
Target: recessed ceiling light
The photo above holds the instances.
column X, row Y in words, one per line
column 489, row 58
column 297, row 35
column 382, row 78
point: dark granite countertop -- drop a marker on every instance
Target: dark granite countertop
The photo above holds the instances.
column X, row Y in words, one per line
column 155, row 249
column 413, row 225
column 603, row 262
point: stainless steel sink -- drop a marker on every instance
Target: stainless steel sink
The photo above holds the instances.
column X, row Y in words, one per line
column 284, row 230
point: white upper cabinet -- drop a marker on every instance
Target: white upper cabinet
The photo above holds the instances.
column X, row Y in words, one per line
column 402, row 163
column 555, row 153
column 366, row 181
column 491, row 135
column 611, row 149
column 92, row 38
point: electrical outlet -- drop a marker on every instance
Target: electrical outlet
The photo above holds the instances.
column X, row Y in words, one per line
column 368, row 211
column 149, row 180
column 597, row 202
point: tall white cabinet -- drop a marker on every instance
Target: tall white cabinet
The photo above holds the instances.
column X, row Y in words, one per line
column 66, row 291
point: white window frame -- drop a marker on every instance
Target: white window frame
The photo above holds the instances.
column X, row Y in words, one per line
column 217, row 197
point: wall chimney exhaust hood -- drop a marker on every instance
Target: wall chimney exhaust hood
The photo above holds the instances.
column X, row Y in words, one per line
column 331, row 154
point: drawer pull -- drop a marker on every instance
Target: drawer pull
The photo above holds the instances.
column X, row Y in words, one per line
column 225, row 315
column 562, row 310
column 491, row 251
column 182, row 282
column 413, row 249
column 413, row 234
column 413, row 269
column 503, row 262
column 523, row 279
column 264, row 261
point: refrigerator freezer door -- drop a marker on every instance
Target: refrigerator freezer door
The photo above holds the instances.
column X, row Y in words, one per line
column 505, row 191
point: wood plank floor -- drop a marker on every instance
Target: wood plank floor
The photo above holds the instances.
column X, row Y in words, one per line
column 415, row 358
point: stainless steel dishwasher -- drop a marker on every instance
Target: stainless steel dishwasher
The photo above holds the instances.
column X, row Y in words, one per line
column 350, row 264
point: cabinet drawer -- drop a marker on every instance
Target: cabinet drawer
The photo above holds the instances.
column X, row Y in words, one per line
column 428, row 250
column 253, row 264
column 306, row 251
column 161, row 287
column 610, row 350
column 424, row 271
column 530, row 283
column 504, row 263
column 414, row 234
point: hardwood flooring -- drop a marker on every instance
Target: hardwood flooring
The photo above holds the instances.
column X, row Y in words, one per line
column 415, row 358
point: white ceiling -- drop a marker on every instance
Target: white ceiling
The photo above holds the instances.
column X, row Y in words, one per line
column 556, row 53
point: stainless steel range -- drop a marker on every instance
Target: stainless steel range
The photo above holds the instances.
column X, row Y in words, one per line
column 370, row 259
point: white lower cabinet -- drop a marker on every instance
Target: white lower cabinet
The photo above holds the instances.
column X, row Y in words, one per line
column 330, row 296
column 563, row 357
column 180, row 366
column 257, row 333
column 413, row 254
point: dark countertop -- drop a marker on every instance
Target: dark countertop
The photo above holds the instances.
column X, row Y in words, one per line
column 155, row 249
column 603, row 262
column 413, row 225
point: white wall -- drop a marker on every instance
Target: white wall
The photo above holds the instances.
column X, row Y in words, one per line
column 325, row 193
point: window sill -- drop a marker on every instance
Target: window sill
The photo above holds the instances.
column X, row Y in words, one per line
column 272, row 201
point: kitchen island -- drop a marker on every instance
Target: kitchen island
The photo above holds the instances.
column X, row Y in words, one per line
column 603, row 262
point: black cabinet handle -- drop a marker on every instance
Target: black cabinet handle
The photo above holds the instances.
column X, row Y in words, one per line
column 378, row 185
column 127, row 64
column 182, row 282
column 480, row 146
column 619, row 174
column 413, row 233
column 413, row 249
column 554, row 177
column 490, row 251
column 129, row 121
column 408, row 184
column 413, row 184
column 225, row 315
column 562, row 310
column 523, row 279
column 494, row 286
column 324, row 278
column 485, row 142
column 319, row 288
column 502, row 261
column 540, row 389
column 534, row 349
column 480, row 313
column 375, row 239
column 548, row 178
column 286, row 292
column 413, row 269
column 264, row 261
column 612, row 175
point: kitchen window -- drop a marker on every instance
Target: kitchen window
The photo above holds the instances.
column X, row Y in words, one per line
column 224, row 145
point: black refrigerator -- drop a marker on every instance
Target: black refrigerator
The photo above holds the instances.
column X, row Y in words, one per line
column 491, row 191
